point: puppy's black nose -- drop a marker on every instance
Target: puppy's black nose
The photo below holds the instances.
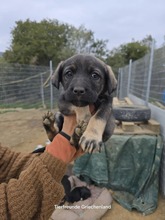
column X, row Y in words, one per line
column 78, row 90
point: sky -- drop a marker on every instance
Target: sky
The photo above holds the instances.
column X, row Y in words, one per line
column 118, row 21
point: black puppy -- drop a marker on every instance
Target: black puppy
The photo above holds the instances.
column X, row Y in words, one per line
column 76, row 194
column 85, row 80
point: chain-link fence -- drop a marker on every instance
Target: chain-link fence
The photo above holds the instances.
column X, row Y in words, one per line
column 26, row 86
column 145, row 78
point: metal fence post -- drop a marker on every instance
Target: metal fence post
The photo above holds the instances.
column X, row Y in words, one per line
column 118, row 83
column 150, row 72
column 51, row 86
column 42, row 92
column 129, row 76
column 120, row 80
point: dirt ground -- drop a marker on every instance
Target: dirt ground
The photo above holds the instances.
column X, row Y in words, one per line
column 21, row 130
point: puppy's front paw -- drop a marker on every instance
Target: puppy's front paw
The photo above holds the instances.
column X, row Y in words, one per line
column 48, row 121
column 90, row 142
column 50, row 125
column 78, row 132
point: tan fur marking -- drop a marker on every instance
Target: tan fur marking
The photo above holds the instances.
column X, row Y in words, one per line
column 95, row 129
column 56, row 129
column 82, row 113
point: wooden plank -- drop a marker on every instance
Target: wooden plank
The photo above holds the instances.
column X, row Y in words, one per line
column 116, row 101
column 128, row 126
column 128, row 101
column 154, row 126
column 139, row 131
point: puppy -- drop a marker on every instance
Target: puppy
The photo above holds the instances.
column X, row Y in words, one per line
column 76, row 194
column 85, row 80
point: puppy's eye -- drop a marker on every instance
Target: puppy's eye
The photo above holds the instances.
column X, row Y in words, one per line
column 68, row 74
column 95, row 76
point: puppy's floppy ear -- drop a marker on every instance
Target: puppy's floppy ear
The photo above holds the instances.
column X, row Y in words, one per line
column 112, row 82
column 56, row 78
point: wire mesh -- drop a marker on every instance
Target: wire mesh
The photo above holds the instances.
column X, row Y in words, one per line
column 25, row 86
column 140, row 76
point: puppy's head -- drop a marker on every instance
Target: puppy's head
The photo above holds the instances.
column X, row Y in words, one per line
column 84, row 78
column 79, row 193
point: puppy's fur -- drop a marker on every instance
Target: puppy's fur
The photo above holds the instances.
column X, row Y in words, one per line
column 76, row 194
column 87, row 80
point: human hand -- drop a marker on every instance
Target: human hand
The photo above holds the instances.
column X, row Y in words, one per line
column 70, row 122
column 60, row 147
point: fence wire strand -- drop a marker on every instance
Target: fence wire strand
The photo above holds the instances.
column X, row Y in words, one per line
column 25, row 86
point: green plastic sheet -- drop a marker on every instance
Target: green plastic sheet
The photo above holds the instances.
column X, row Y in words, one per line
column 129, row 165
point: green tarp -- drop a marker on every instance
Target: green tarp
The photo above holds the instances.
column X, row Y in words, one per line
column 129, row 165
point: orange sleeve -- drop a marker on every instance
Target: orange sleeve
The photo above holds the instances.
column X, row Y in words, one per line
column 61, row 148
